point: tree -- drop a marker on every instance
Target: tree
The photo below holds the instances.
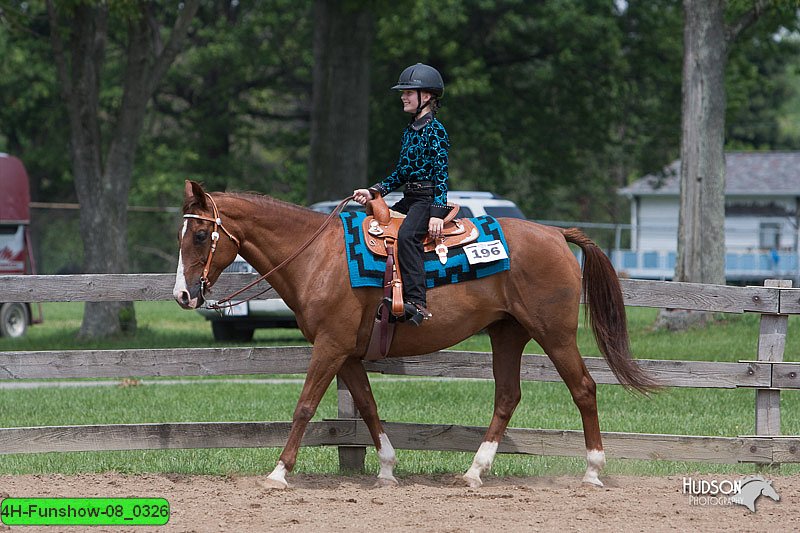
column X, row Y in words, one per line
column 343, row 33
column 234, row 112
column 102, row 151
column 554, row 104
column 701, row 226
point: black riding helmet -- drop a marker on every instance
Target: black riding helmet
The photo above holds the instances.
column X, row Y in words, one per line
column 421, row 77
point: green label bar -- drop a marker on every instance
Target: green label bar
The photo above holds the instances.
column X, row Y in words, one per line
column 84, row 511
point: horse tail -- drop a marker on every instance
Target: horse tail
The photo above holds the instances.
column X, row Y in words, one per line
column 606, row 313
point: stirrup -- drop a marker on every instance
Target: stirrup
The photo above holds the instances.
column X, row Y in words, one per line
column 415, row 314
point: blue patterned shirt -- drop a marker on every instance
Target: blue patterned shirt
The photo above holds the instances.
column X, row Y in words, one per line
column 423, row 157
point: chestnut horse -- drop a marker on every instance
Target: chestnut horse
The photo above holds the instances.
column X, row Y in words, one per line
column 538, row 298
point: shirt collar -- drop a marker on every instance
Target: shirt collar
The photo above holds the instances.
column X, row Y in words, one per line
column 421, row 122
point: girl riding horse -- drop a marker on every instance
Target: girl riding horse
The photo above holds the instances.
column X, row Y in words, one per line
column 422, row 168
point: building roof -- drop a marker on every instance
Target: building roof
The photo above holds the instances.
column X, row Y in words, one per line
column 746, row 174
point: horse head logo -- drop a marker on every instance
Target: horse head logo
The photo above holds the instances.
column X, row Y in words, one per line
column 752, row 488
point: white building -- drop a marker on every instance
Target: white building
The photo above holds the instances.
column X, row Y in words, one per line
column 762, row 196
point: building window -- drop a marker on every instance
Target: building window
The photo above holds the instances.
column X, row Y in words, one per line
column 769, row 236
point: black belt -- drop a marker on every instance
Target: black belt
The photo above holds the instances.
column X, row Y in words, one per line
column 415, row 185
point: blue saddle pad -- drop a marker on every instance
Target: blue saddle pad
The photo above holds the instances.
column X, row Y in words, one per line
column 366, row 269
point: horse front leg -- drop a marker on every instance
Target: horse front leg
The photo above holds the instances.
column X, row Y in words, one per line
column 508, row 340
column 324, row 365
column 357, row 381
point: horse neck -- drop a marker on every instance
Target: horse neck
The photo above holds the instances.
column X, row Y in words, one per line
column 271, row 231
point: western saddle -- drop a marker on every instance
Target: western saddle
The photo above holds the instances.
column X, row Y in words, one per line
column 380, row 229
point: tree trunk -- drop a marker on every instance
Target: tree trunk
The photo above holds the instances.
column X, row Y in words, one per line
column 340, row 101
column 701, row 224
column 103, row 186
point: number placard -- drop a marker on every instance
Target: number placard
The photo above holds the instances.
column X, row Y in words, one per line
column 485, row 252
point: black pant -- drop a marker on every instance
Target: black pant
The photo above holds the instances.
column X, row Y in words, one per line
column 417, row 208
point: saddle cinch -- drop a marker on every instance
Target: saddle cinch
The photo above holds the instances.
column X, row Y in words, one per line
column 380, row 229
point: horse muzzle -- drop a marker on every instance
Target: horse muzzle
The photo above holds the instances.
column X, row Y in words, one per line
column 189, row 297
column 186, row 301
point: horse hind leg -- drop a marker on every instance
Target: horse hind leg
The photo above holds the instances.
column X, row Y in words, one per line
column 569, row 364
column 357, row 381
column 508, row 340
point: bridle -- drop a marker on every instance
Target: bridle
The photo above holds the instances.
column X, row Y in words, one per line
column 217, row 221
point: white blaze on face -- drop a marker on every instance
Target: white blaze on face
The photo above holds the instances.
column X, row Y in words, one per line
column 180, row 279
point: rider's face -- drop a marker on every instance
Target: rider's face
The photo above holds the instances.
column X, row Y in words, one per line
column 410, row 100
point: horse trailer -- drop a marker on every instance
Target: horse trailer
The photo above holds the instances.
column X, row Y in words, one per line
column 16, row 252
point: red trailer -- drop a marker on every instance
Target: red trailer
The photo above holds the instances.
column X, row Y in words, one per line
column 16, row 252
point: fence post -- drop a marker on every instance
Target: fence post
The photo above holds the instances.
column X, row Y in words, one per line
column 771, row 345
column 351, row 458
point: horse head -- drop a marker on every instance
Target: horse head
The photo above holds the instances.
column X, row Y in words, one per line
column 752, row 487
column 769, row 491
column 207, row 246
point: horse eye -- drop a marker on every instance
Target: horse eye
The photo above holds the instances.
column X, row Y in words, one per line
column 200, row 237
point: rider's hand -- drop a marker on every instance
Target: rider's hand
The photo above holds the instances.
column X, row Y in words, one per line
column 435, row 226
column 362, row 196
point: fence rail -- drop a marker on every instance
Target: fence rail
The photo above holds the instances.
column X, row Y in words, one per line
column 150, row 287
column 769, row 374
column 182, row 362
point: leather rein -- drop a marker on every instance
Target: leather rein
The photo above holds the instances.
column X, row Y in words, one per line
column 217, row 221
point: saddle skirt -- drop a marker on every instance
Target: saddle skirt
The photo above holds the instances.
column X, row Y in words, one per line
column 381, row 226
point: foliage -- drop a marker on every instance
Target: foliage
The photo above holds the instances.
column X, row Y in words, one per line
column 234, row 111
column 760, row 84
column 554, row 104
column 33, row 124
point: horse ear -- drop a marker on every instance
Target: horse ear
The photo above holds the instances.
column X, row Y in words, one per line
column 193, row 194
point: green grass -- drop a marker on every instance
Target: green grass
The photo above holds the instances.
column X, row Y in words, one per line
column 160, row 325
column 463, row 402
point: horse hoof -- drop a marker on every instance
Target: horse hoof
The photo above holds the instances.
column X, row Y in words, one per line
column 272, row 484
column 472, row 482
column 592, row 480
column 386, row 482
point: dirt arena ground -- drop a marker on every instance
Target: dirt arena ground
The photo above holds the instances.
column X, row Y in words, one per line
column 422, row 503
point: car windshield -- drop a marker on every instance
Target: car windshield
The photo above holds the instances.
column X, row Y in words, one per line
column 510, row 211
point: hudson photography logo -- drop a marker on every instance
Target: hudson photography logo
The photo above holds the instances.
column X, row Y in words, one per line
column 726, row 492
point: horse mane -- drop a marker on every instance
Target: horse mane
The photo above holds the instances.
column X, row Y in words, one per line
column 258, row 199
column 266, row 202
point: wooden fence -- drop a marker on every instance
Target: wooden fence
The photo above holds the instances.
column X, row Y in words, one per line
column 767, row 373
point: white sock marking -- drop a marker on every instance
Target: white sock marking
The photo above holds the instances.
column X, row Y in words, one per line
column 387, row 457
column 595, row 461
column 279, row 474
column 483, row 460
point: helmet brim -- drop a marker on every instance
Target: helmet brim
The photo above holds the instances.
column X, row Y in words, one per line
column 404, row 86
column 414, row 87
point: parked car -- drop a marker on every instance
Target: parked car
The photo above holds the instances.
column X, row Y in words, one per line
column 472, row 203
column 239, row 322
